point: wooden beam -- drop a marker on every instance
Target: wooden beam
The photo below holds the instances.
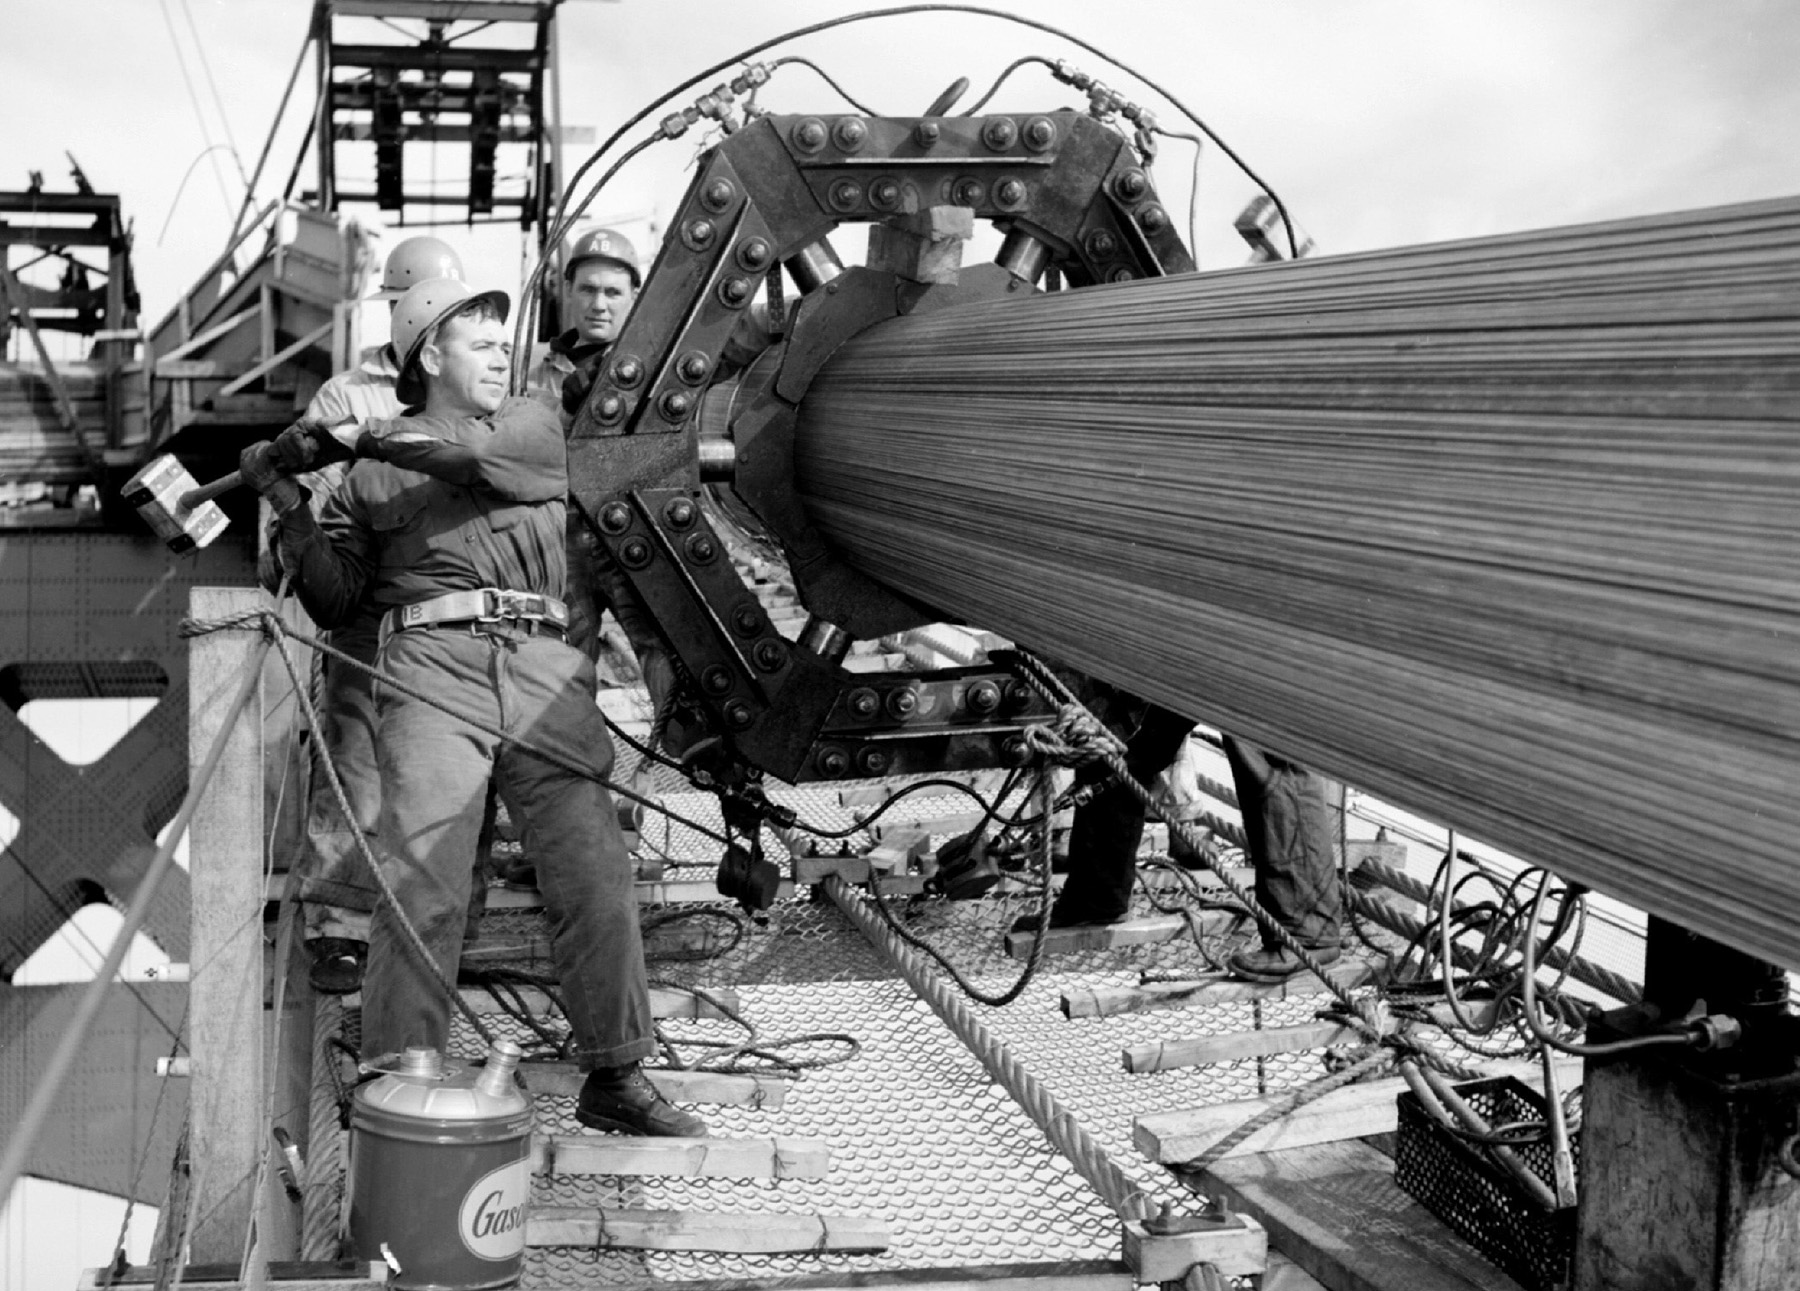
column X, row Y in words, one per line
column 1237, row 1247
column 1335, row 1211
column 1165, row 1055
column 689, row 1230
column 1218, row 988
column 679, row 1158
column 333, row 1275
column 763, row 1093
column 1063, row 1275
column 225, row 1018
column 1132, row 932
column 665, row 1002
column 1355, row 1111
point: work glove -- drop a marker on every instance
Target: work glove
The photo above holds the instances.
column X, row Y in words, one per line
column 305, row 446
column 263, row 472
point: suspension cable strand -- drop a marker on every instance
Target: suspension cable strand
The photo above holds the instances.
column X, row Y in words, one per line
column 1058, row 1124
column 55, row 1073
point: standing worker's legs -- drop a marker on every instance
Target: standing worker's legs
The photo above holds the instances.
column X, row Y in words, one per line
column 336, row 888
column 1287, row 829
column 435, row 771
column 546, row 692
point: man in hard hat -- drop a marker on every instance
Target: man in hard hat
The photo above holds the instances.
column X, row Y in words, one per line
column 600, row 285
column 454, row 527
column 336, row 890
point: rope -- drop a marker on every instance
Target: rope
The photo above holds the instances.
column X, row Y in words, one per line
column 322, row 1187
column 1058, row 1124
column 1367, row 1064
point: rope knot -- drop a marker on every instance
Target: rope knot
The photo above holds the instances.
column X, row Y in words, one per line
column 1075, row 739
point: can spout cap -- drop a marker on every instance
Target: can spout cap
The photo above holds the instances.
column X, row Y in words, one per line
column 496, row 1077
column 428, row 1063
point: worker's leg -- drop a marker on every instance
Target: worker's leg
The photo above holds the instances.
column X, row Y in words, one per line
column 336, row 889
column 547, row 699
column 1109, row 827
column 435, row 771
column 1287, row 828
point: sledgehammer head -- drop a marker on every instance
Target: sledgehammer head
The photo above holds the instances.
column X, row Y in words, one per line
column 158, row 491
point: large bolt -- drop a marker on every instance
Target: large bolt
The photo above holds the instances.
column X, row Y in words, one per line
column 754, row 254
column 1102, row 245
column 694, row 367
column 968, row 192
column 863, row 703
column 1014, row 751
column 734, row 291
column 627, row 372
column 676, row 405
column 884, row 194
column 846, row 194
column 874, row 762
column 747, row 619
column 809, row 135
column 1153, row 218
column 926, row 134
column 609, row 409
column 833, row 762
column 982, row 698
column 701, row 549
column 718, row 195
column 738, row 715
column 1131, row 185
column 615, row 517
column 1121, row 274
column 850, row 134
column 769, row 654
column 635, row 552
column 680, row 512
column 716, row 679
column 699, row 234
column 1039, row 133
column 1018, row 695
column 902, row 702
column 999, row 133
column 1009, row 193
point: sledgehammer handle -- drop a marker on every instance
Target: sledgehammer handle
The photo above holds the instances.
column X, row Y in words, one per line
column 208, row 491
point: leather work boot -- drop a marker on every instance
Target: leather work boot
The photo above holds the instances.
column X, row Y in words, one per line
column 337, row 965
column 1061, row 918
column 623, row 1099
column 1273, row 964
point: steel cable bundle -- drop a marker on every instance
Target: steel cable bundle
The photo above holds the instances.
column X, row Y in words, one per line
column 1504, row 531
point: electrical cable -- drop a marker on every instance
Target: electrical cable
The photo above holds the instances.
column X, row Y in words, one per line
column 826, row 77
column 1000, row 80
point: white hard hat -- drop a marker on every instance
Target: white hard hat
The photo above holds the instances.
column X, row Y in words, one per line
column 416, row 260
column 423, row 306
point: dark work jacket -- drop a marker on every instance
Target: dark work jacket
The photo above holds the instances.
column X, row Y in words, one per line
column 437, row 505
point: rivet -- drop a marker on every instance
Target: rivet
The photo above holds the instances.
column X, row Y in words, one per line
column 635, row 552
column 1102, row 245
column 846, row 195
column 769, row 654
column 698, row 234
column 884, row 194
column 1014, row 750
column 609, row 409
column 716, row 679
column 627, row 372
column 809, row 134
column 615, row 517
column 738, row 714
column 999, row 133
column 1120, row 274
column 1131, row 185
column 747, row 620
column 969, row 192
column 735, row 291
column 754, row 254
column 701, row 549
column 1154, row 219
column 718, row 195
column 676, row 405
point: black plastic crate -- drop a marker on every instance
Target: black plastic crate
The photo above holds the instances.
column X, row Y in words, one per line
column 1458, row 1181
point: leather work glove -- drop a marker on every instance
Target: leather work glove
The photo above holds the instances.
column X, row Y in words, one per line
column 263, row 472
column 305, row 446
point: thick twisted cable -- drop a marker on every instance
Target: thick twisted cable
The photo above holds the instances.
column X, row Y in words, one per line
column 322, row 1185
column 1374, row 1060
column 414, row 942
column 1126, row 1198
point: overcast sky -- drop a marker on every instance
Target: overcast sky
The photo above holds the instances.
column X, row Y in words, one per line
column 1381, row 122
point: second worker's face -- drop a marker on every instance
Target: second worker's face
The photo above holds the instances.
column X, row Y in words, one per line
column 468, row 366
column 600, row 296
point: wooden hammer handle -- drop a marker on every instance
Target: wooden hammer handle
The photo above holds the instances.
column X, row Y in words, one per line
column 210, row 490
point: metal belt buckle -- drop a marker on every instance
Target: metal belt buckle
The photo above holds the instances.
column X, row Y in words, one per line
column 513, row 605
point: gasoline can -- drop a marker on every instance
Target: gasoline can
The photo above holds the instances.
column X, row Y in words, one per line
column 440, row 1171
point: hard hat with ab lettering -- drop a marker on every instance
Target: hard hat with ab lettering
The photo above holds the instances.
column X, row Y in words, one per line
column 604, row 244
column 423, row 306
column 416, row 260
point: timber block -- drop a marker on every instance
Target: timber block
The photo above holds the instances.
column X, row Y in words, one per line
column 1238, row 1246
column 688, row 1230
column 1166, row 1055
column 1218, row 988
column 679, row 1158
column 1132, row 932
column 758, row 1092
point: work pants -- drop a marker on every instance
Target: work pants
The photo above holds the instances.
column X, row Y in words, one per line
column 1287, row 831
column 335, row 885
column 434, row 775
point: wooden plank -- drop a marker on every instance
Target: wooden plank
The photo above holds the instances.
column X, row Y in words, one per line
column 1132, row 932
column 679, row 1158
column 687, row 1230
column 873, row 795
column 1238, row 1247
column 648, row 892
column 700, row 937
column 225, row 1018
column 763, row 1093
column 1217, row 988
column 854, row 870
column 1353, row 1112
column 1335, row 1210
column 1165, row 1055
column 1062, row 1275
column 893, row 826
column 665, row 1002
column 322, row 1275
